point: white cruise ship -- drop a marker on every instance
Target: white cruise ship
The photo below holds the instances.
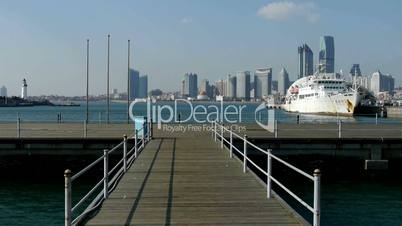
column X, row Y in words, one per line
column 322, row 94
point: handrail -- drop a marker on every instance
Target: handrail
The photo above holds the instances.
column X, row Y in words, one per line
column 108, row 186
column 218, row 131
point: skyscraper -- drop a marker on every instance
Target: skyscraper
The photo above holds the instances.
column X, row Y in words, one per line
column 189, row 85
column 134, row 84
column 283, row 81
column 221, row 86
column 306, row 65
column 231, row 87
column 143, row 86
column 3, row 91
column 262, row 82
column 243, row 85
column 326, row 61
column 355, row 70
column 381, row 82
column 205, row 88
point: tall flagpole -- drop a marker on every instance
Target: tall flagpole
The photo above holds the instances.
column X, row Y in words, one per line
column 108, row 79
column 87, row 99
column 128, row 83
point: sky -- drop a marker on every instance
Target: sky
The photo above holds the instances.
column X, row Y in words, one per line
column 44, row 41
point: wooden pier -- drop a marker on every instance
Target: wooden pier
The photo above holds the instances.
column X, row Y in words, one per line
column 187, row 179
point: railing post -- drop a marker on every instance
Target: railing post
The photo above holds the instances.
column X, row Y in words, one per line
column 245, row 154
column 376, row 118
column 269, row 172
column 339, row 129
column 136, row 143
column 231, row 143
column 19, row 127
column 215, row 131
column 85, row 129
column 105, row 173
column 143, row 136
column 125, row 153
column 67, row 197
column 151, row 132
column 222, row 130
column 276, row 128
column 317, row 197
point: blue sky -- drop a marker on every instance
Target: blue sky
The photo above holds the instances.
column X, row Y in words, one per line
column 44, row 40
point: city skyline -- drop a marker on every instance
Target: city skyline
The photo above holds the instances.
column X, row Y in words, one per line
column 176, row 38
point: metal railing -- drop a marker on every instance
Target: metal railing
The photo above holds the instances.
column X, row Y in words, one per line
column 140, row 137
column 218, row 133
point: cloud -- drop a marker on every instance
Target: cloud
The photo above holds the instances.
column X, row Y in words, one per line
column 285, row 10
column 185, row 20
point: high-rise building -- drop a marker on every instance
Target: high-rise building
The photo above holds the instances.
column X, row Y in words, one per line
column 283, row 82
column 189, row 85
column 143, row 86
column 24, row 89
column 205, row 88
column 3, row 91
column 221, row 87
column 274, row 86
column 134, row 84
column 326, row 61
column 231, row 87
column 306, row 65
column 355, row 70
column 243, row 85
column 380, row 82
column 262, row 82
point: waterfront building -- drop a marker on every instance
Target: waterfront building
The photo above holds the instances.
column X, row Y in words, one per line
column 24, row 89
column 3, row 91
column 381, row 83
column 274, row 87
column 262, row 83
column 231, row 87
column 326, row 61
column 283, row 82
column 243, row 85
column 143, row 86
column 134, row 84
column 190, row 85
column 205, row 88
column 306, row 65
column 221, row 88
column 355, row 70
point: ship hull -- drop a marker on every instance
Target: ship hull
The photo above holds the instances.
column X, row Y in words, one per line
column 339, row 104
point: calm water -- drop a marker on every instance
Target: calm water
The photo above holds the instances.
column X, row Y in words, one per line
column 351, row 201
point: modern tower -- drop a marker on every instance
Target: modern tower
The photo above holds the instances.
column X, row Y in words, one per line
column 243, row 85
column 283, row 82
column 190, row 85
column 306, row 65
column 355, row 70
column 262, row 82
column 3, row 91
column 24, row 89
column 231, row 87
column 143, row 86
column 326, row 61
column 134, row 84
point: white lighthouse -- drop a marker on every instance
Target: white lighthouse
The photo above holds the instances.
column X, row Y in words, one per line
column 24, row 92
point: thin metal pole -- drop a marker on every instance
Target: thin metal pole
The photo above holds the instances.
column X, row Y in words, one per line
column 67, row 197
column 269, row 172
column 222, row 136
column 108, row 80
column 317, row 197
column 215, row 131
column 128, row 83
column 231, row 143
column 105, row 173
column 125, row 153
column 143, row 135
column 245, row 154
column 85, row 129
column 87, row 99
column 340, row 129
column 19, row 127
column 136, row 144
column 276, row 128
column 376, row 118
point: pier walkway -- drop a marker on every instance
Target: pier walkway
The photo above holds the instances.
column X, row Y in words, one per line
column 187, row 179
